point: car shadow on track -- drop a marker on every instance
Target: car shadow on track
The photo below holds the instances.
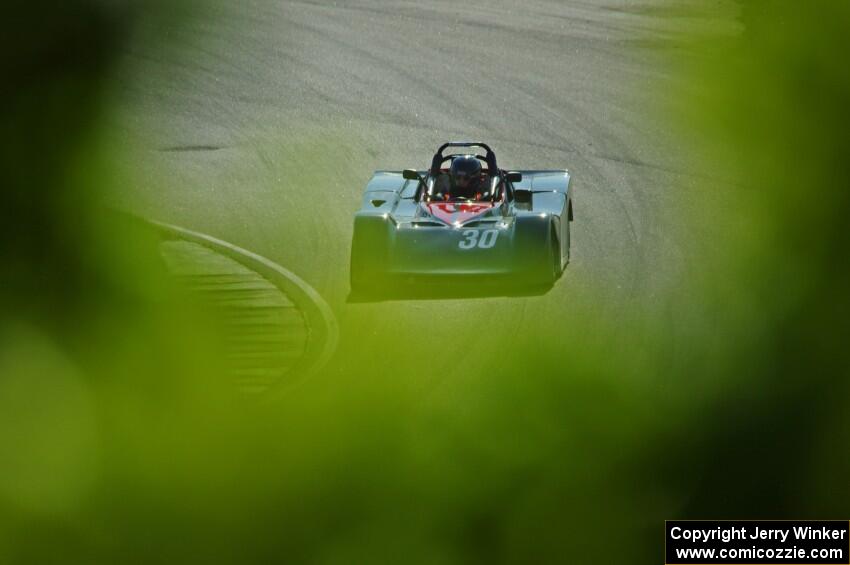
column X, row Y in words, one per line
column 444, row 291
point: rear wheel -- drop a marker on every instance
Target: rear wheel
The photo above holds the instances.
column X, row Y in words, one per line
column 556, row 257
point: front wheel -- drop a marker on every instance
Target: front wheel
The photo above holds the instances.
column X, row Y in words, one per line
column 555, row 247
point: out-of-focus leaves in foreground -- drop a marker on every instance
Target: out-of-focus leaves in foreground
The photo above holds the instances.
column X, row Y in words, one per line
column 121, row 443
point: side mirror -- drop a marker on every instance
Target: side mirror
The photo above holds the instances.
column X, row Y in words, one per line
column 411, row 174
column 514, row 176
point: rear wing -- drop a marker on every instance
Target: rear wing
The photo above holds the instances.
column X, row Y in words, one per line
column 544, row 180
column 537, row 180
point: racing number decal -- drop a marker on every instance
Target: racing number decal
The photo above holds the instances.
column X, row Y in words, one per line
column 482, row 239
column 488, row 239
column 470, row 239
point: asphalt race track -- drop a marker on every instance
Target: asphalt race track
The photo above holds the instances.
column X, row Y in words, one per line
column 259, row 122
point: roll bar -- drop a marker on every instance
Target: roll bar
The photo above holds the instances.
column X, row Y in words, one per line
column 490, row 157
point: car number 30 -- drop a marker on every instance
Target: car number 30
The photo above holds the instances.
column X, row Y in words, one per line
column 482, row 239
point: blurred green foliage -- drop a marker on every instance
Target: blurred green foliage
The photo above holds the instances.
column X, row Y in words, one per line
column 773, row 105
column 120, row 442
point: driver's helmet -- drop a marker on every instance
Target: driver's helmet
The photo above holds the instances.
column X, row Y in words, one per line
column 465, row 173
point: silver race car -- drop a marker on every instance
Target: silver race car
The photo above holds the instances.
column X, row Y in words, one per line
column 462, row 218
